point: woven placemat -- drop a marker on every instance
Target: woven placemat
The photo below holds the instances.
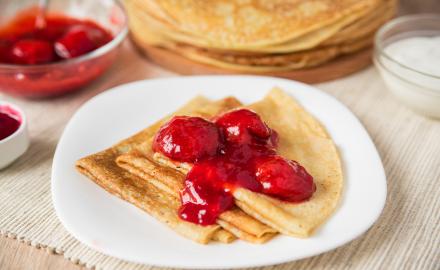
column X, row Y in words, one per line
column 407, row 235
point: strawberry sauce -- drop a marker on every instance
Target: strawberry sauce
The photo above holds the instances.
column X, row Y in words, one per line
column 236, row 150
column 9, row 121
column 34, row 56
column 22, row 42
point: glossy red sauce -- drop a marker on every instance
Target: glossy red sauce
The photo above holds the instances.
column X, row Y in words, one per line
column 173, row 135
column 22, row 42
column 242, row 156
column 9, row 121
column 31, row 50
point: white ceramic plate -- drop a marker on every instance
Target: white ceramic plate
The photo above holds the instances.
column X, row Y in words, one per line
column 116, row 228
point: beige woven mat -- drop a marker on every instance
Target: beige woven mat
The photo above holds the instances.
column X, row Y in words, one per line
column 407, row 235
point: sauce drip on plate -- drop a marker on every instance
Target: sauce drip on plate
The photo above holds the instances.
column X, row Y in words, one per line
column 236, row 150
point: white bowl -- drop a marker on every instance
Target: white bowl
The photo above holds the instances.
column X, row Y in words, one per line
column 414, row 88
column 17, row 143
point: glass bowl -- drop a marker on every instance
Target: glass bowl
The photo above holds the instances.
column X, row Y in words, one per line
column 53, row 79
column 417, row 89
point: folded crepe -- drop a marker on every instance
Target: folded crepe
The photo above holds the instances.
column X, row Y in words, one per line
column 131, row 171
column 139, row 161
column 302, row 138
column 171, row 181
column 103, row 170
column 142, row 188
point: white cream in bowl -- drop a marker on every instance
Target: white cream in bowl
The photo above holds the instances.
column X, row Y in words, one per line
column 411, row 69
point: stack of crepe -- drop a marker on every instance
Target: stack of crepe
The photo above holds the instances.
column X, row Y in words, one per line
column 258, row 36
column 131, row 171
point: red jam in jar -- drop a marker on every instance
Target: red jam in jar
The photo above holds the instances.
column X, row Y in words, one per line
column 237, row 150
column 10, row 121
column 31, row 49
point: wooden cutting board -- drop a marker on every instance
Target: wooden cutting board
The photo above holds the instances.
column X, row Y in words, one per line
column 337, row 68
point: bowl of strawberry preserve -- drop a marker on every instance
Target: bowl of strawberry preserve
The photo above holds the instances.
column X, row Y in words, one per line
column 14, row 138
column 58, row 50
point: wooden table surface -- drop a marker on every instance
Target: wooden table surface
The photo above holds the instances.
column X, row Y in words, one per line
column 16, row 255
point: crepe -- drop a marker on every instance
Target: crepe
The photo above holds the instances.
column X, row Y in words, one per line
column 264, row 64
column 307, row 142
column 160, row 34
column 170, row 180
column 248, row 62
column 139, row 161
column 131, row 171
column 236, row 222
column 257, row 63
column 278, row 62
column 366, row 25
column 102, row 169
column 249, row 24
column 304, row 139
column 258, row 36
